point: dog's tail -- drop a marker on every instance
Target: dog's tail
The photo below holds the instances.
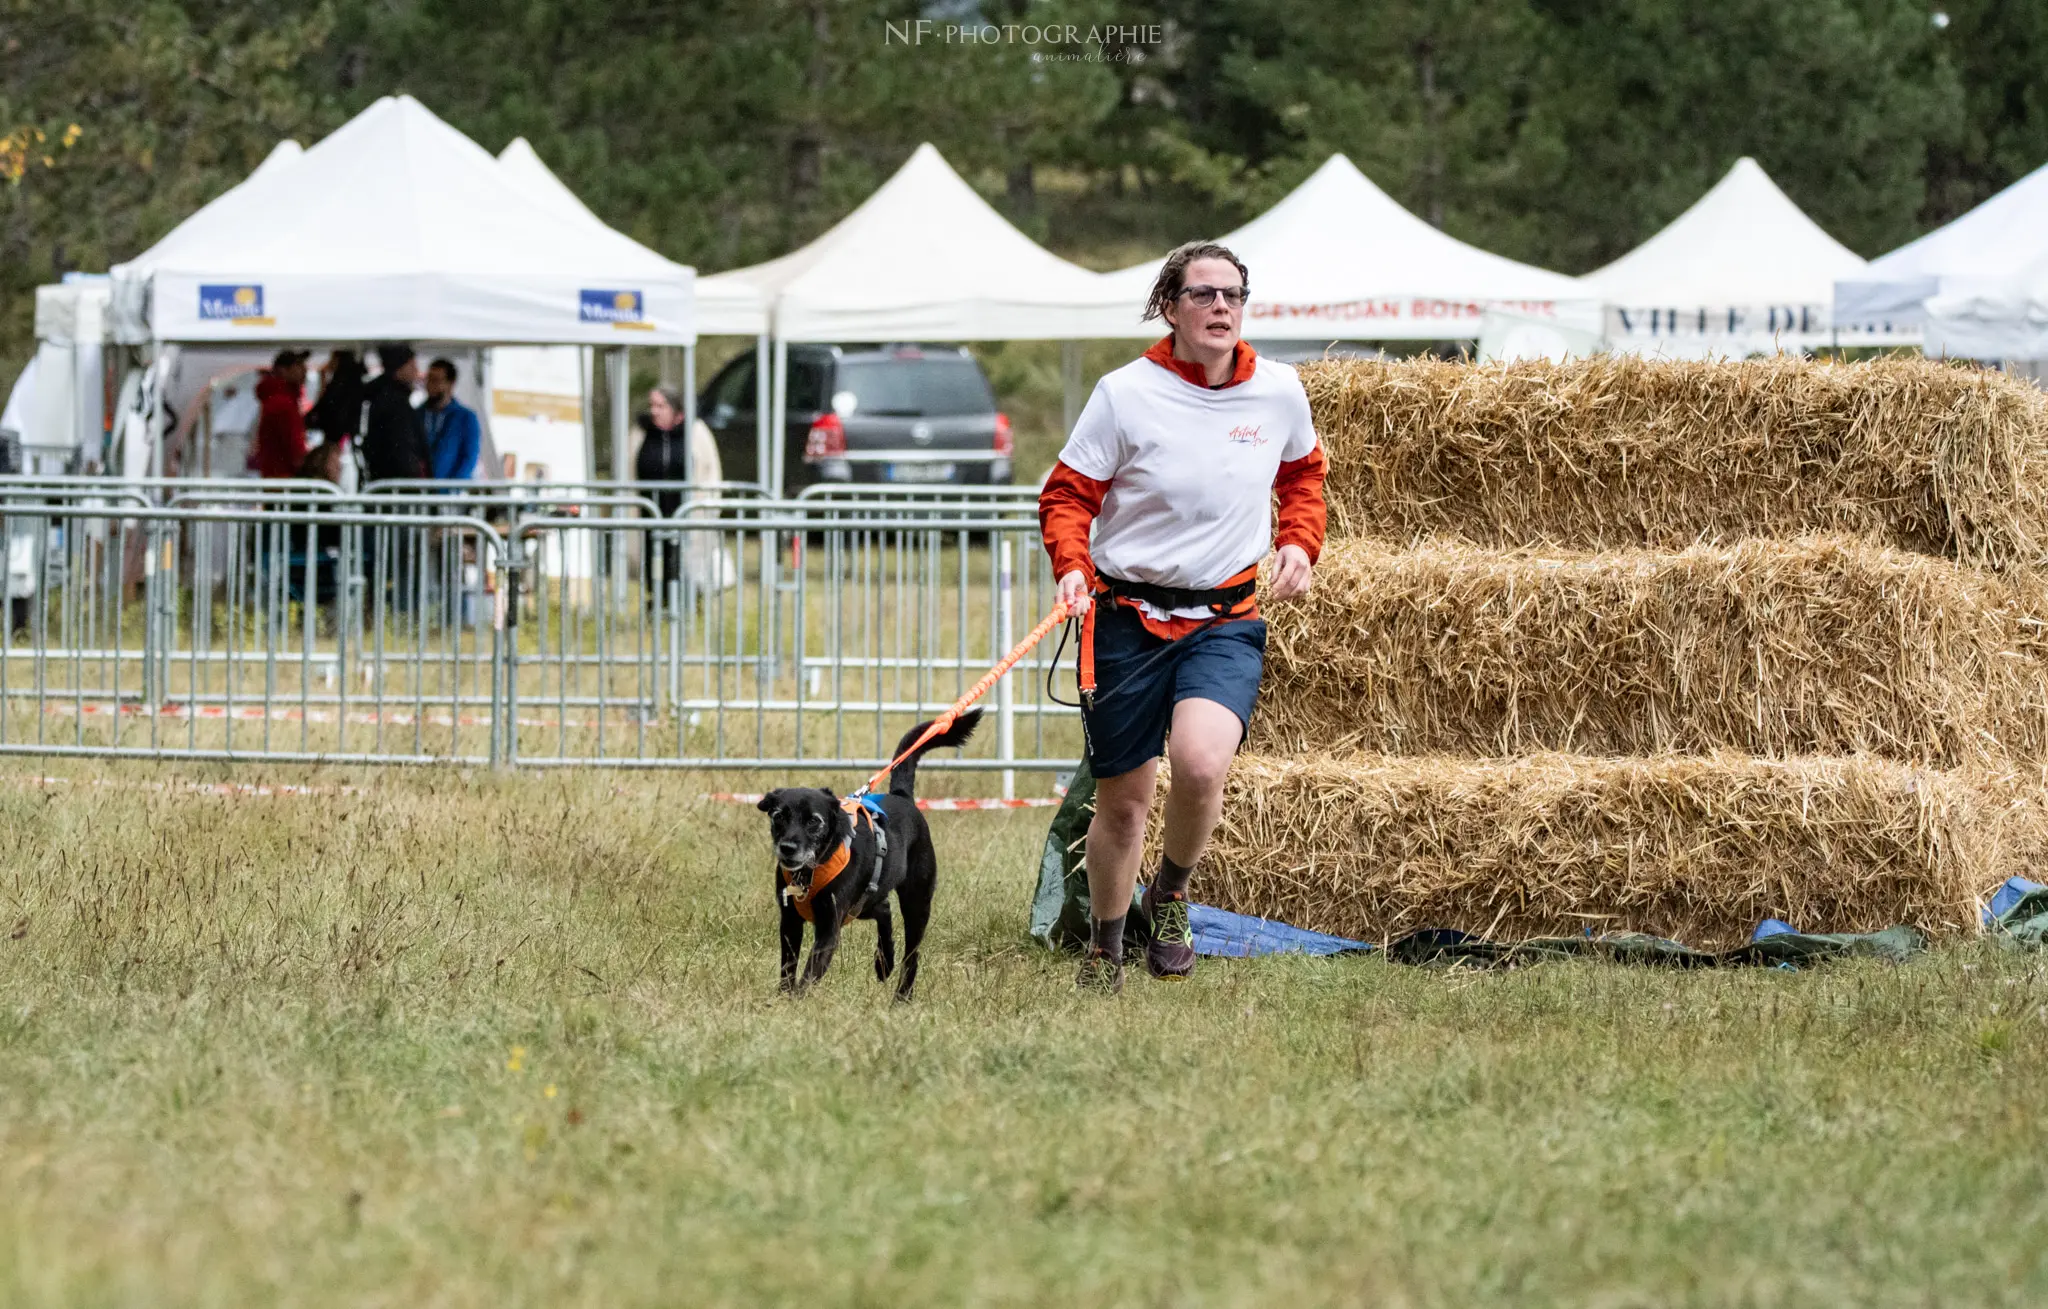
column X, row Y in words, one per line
column 903, row 781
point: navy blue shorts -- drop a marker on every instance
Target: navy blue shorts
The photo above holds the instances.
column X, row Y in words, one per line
column 1137, row 686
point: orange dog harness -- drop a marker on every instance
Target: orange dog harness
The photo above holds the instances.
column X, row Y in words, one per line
column 828, row 872
column 821, row 877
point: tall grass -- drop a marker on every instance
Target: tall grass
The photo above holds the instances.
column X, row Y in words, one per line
column 471, row 1040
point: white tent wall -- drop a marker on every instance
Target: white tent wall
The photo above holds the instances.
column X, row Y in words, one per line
column 64, row 415
column 2002, row 318
column 396, row 226
column 535, row 404
column 1505, row 336
column 538, row 416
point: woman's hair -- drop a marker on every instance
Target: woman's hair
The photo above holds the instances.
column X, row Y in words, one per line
column 1173, row 274
column 674, row 396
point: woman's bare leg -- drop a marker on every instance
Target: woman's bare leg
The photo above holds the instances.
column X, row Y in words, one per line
column 1205, row 738
column 1116, row 838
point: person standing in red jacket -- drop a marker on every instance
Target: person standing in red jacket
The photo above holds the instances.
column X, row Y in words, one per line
column 1157, row 517
column 280, row 446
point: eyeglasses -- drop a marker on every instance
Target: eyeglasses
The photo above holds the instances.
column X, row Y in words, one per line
column 1203, row 296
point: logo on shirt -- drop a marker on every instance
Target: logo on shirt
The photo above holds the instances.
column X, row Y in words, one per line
column 1247, row 434
column 626, row 310
column 233, row 303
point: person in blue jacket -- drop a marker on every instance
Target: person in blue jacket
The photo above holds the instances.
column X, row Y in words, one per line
column 453, row 433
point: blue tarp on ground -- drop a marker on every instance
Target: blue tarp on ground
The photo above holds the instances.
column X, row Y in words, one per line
column 2007, row 898
column 1240, row 936
column 2017, row 913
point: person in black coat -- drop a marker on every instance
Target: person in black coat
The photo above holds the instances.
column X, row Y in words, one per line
column 395, row 438
column 665, row 457
column 395, row 446
column 665, row 447
column 338, row 413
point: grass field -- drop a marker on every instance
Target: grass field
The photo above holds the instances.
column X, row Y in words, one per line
column 490, row 1041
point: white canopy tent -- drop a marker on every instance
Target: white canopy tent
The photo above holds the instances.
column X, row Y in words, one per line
column 1339, row 259
column 397, row 226
column 924, row 258
column 1743, row 271
column 1992, row 243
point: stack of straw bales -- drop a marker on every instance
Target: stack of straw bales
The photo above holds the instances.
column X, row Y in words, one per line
column 1628, row 645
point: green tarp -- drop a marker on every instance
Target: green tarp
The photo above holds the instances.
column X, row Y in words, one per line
column 1059, row 909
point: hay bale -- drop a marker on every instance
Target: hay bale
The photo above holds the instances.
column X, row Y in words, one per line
column 1813, row 646
column 1698, row 849
column 1617, row 451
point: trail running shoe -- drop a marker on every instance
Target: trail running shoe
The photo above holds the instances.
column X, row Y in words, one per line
column 1100, row 975
column 1170, row 953
column 1138, row 932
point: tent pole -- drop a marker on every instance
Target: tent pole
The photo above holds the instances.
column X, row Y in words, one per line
column 761, row 415
column 153, row 430
column 666, row 362
column 622, row 467
column 586, row 376
column 778, row 422
column 622, row 405
column 689, row 388
column 1070, row 385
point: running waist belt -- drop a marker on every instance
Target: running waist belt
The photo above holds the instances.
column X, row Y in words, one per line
column 1221, row 600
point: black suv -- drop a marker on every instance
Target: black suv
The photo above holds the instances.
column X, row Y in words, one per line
column 900, row 414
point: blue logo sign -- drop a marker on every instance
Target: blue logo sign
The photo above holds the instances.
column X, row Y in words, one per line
column 611, row 307
column 243, row 301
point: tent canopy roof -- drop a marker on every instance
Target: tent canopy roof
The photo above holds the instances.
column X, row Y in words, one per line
column 397, row 225
column 1998, row 239
column 923, row 258
column 520, row 160
column 1339, row 257
column 1743, row 243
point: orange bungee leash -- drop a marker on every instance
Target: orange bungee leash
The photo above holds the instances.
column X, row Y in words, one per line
column 981, row 688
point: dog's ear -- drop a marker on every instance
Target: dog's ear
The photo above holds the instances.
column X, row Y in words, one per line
column 767, row 803
column 830, row 798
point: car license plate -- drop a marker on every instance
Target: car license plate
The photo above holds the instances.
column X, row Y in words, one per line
column 918, row 472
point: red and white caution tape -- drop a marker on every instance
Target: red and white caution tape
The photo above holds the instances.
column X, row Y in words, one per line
column 936, row 804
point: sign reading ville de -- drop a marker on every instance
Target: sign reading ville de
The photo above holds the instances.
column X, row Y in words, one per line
column 1717, row 320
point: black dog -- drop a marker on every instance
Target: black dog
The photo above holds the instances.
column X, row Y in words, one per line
column 833, row 866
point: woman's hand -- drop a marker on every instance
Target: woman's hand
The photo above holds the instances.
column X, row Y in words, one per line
column 1074, row 593
column 1290, row 573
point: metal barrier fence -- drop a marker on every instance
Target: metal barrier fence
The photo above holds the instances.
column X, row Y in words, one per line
column 500, row 629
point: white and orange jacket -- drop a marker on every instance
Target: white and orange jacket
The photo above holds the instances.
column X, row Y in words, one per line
column 1176, row 479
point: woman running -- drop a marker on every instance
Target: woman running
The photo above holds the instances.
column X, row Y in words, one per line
column 1173, row 465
